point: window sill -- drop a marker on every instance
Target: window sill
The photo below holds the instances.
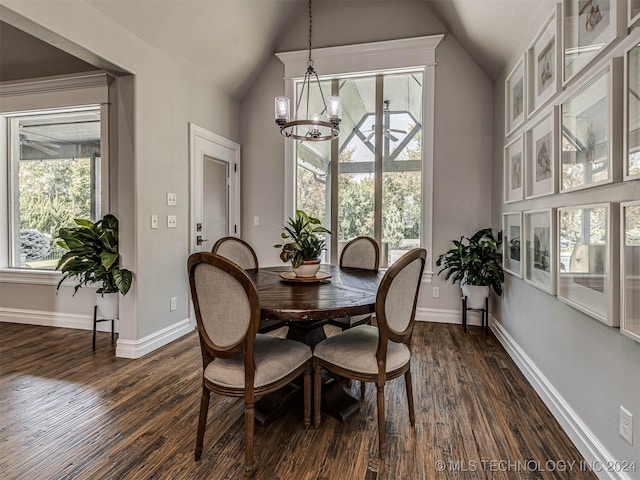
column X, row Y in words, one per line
column 32, row 277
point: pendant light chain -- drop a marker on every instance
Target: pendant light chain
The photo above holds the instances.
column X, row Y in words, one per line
column 310, row 61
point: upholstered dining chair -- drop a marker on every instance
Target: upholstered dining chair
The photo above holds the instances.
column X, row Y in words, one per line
column 237, row 361
column 236, row 250
column 378, row 354
column 360, row 252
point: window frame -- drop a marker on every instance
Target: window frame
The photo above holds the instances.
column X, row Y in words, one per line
column 56, row 94
column 409, row 54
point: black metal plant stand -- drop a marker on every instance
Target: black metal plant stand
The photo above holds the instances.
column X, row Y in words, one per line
column 484, row 311
column 95, row 323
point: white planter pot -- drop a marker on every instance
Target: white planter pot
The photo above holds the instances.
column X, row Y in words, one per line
column 108, row 304
column 475, row 295
column 307, row 269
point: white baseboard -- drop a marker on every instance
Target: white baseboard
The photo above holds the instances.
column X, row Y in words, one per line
column 438, row 315
column 53, row 319
column 139, row 348
column 585, row 441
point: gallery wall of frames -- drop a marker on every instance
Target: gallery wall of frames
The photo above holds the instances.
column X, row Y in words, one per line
column 568, row 128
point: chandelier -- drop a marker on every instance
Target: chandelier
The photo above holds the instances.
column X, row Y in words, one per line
column 313, row 128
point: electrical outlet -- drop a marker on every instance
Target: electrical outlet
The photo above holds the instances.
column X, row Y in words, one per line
column 172, row 221
column 626, row 425
column 436, row 292
column 172, row 199
column 256, row 221
column 154, row 221
column 173, row 304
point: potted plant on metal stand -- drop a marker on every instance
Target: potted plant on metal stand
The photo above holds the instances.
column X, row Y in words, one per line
column 476, row 262
column 305, row 247
column 92, row 258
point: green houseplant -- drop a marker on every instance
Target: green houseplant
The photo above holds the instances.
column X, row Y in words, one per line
column 305, row 246
column 475, row 261
column 92, row 258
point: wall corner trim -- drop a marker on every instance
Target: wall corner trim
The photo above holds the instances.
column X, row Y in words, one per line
column 139, row 348
column 587, row 443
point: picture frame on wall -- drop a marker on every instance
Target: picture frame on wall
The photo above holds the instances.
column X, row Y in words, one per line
column 544, row 63
column 588, row 260
column 539, row 251
column 515, row 94
column 630, row 269
column 541, row 152
column 587, row 122
column 633, row 16
column 589, row 27
column 511, row 241
column 631, row 150
column 514, row 170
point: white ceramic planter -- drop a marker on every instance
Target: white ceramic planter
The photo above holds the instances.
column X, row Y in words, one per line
column 108, row 304
column 309, row 268
column 475, row 295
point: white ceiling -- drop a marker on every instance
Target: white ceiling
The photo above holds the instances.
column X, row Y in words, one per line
column 230, row 41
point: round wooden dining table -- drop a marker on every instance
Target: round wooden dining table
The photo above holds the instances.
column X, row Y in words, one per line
column 305, row 306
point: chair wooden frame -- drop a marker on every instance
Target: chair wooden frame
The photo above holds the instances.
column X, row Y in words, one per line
column 386, row 334
column 219, row 242
column 345, row 323
column 244, row 347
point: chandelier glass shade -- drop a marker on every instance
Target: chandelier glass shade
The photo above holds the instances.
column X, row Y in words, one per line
column 313, row 127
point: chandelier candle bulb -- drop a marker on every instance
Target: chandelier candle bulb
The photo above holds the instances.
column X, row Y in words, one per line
column 282, row 110
column 334, row 110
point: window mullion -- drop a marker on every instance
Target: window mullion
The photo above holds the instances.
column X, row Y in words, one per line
column 377, row 202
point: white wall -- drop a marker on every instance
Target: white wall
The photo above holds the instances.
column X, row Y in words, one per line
column 155, row 126
column 462, row 158
column 589, row 368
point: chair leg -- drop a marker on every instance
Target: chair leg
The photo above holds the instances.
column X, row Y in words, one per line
column 361, row 390
column 381, row 422
column 409, row 386
column 249, row 424
column 317, row 392
column 307, row 396
column 202, row 422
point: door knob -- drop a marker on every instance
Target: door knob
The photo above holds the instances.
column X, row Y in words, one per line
column 200, row 240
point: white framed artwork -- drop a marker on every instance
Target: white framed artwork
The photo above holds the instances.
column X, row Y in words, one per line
column 511, row 237
column 514, row 170
column 588, row 123
column 631, row 150
column 544, row 63
column 630, row 269
column 633, row 17
column 589, row 26
column 539, row 251
column 515, row 93
column 588, row 260
column 541, row 152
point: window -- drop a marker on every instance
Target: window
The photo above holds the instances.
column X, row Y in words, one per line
column 55, row 177
column 376, row 179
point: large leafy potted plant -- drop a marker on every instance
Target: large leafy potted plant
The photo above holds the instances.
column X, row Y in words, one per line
column 92, row 258
column 476, row 262
column 305, row 246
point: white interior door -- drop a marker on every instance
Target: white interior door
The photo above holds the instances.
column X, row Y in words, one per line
column 214, row 211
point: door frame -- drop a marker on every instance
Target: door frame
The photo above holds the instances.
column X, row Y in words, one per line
column 226, row 150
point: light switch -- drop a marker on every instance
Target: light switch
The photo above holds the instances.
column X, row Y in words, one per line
column 172, row 199
column 172, row 221
column 154, row 221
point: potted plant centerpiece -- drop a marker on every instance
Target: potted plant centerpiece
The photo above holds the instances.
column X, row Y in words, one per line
column 476, row 262
column 305, row 246
column 92, row 258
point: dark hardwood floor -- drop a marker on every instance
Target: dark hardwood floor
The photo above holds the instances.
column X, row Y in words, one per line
column 68, row 412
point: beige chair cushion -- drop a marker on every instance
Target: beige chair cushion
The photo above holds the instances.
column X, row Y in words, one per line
column 355, row 350
column 359, row 254
column 274, row 359
column 238, row 253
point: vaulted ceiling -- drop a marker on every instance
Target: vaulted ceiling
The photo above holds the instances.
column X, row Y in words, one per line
column 229, row 41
